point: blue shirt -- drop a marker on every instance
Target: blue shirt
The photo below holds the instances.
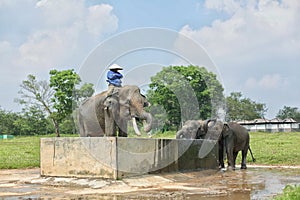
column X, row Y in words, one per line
column 114, row 78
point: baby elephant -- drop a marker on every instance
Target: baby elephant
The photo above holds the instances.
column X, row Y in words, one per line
column 231, row 136
column 235, row 138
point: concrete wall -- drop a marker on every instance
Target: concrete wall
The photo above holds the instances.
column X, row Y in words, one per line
column 115, row 158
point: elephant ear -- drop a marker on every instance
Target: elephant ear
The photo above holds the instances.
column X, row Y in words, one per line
column 226, row 130
column 206, row 124
column 213, row 129
column 212, row 136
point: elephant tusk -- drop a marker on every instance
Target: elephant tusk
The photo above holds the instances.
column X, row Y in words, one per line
column 135, row 127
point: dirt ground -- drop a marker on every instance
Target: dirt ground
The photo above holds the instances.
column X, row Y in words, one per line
column 257, row 182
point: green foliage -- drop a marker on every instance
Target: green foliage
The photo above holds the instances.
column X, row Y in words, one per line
column 289, row 112
column 86, row 90
column 239, row 108
column 68, row 126
column 289, row 193
column 7, row 119
column 63, row 83
column 55, row 101
column 32, row 121
column 180, row 93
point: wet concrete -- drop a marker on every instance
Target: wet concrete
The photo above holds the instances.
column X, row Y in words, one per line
column 257, row 182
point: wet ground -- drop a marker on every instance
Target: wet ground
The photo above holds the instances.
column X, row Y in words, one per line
column 257, row 182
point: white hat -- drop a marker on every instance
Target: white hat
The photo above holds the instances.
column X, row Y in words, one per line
column 115, row 66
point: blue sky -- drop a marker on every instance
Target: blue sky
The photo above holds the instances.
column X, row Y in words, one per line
column 254, row 44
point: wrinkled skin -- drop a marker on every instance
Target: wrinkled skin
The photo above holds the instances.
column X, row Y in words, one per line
column 192, row 129
column 189, row 130
column 232, row 136
column 100, row 115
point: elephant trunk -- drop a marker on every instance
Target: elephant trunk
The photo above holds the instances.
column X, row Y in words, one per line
column 206, row 122
column 147, row 117
column 147, row 123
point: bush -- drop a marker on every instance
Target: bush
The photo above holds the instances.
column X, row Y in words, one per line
column 289, row 193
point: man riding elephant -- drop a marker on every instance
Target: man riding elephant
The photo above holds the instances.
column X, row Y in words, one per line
column 114, row 78
column 100, row 115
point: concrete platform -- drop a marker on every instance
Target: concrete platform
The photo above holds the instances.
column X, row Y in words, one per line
column 116, row 157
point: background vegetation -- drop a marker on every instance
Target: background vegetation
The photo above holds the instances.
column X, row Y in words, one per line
column 268, row 149
column 49, row 106
column 290, row 192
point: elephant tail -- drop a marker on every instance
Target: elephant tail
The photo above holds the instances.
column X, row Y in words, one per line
column 253, row 159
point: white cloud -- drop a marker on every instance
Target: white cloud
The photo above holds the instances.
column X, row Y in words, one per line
column 57, row 34
column 67, row 24
column 256, row 47
column 228, row 6
column 269, row 81
column 251, row 31
column 57, row 13
column 95, row 23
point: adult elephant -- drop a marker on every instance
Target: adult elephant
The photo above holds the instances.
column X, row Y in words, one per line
column 103, row 115
column 231, row 136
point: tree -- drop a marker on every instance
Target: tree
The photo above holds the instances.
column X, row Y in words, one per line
column 182, row 93
column 7, row 119
column 239, row 108
column 58, row 98
column 37, row 94
column 85, row 91
column 32, row 121
column 289, row 112
column 63, row 83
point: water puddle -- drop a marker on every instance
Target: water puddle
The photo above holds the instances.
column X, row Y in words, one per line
column 253, row 183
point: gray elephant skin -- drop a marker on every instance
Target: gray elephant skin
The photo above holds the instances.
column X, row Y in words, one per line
column 231, row 136
column 100, row 115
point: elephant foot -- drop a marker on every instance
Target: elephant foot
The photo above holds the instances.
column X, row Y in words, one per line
column 222, row 169
column 230, row 168
column 243, row 167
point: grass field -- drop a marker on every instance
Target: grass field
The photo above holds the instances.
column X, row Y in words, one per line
column 21, row 152
column 268, row 149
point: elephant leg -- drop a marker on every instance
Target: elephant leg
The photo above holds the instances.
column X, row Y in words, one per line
column 221, row 154
column 234, row 158
column 110, row 125
column 123, row 126
column 230, row 158
column 244, row 158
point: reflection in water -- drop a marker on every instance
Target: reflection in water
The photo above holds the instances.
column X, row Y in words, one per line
column 253, row 183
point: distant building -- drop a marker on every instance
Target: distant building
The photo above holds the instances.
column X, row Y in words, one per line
column 274, row 125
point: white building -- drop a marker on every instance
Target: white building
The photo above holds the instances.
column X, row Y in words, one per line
column 274, row 125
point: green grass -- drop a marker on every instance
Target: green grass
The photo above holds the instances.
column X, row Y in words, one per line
column 275, row 148
column 21, row 152
column 165, row 135
column 268, row 149
column 289, row 193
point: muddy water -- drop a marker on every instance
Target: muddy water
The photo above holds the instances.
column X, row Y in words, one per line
column 254, row 183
